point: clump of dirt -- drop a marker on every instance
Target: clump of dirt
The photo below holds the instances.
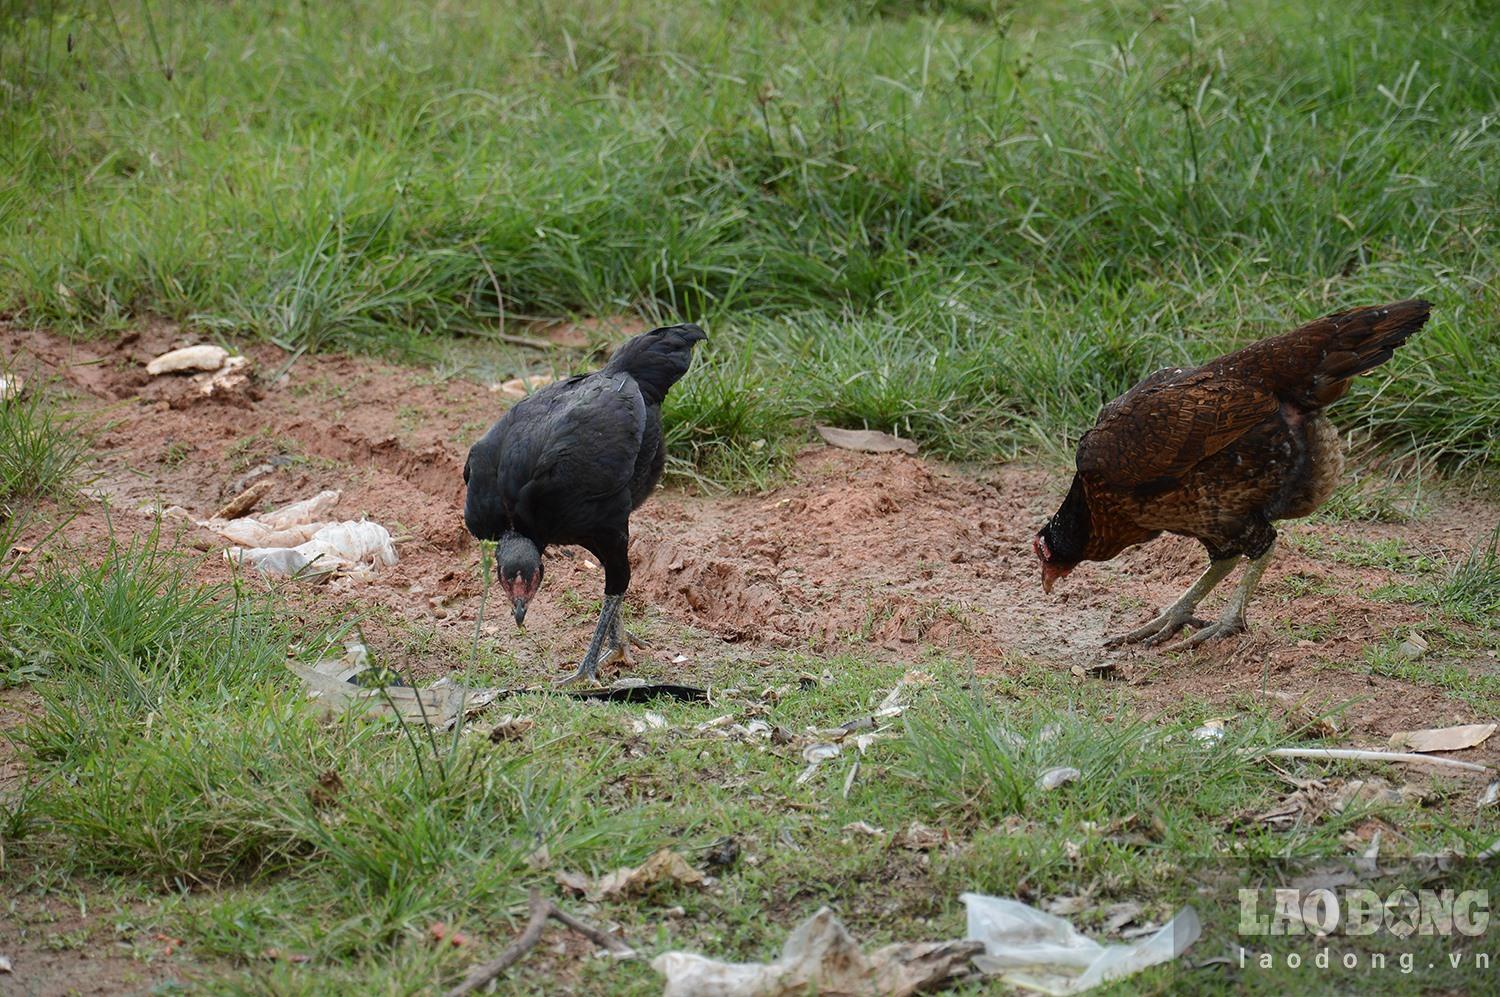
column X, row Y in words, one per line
column 882, row 552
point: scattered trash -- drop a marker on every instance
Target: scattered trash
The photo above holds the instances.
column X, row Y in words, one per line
column 820, row 956
column 1491, row 796
column 299, row 540
column 918, row 837
column 1412, row 648
column 1212, row 731
column 520, row 387
column 1055, row 777
column 664, row 867
column 1361, row 754
column 867, row 440
column 11, row 386
column 1369, row 794
column 337, row 546
column 511, row 728
column 1443, row 738
column 233, row 376
column 1031, row 948
column 344, row 684
column 816, row 754
column 1063, row 906
column 1097, row 670
column 5, row 966
column 862, row 827
column 189, row 358
column 1116, row 916
column 649, row 721
column 246, row 500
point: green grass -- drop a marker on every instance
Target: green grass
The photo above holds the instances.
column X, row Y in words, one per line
column 969, row 223
column 41, row 452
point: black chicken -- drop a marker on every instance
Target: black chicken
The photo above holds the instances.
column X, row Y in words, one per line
column 568, row 464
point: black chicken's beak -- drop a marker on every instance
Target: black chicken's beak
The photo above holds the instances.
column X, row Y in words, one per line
column 519, row 604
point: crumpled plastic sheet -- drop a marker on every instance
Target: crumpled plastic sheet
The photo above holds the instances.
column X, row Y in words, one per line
column 1031, row 948
column 820, row 957
column 299, row 539
column 331, row 682
column 1005, row 939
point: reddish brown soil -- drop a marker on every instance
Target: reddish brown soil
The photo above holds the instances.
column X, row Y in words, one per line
column 884, row 554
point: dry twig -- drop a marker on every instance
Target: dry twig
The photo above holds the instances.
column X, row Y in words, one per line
column 541, row 910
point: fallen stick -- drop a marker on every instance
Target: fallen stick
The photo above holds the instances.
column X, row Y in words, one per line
column 1361, row 754
column 540, row 910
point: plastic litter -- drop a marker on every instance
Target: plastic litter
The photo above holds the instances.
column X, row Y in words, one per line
column 1031, row 948
column 820, row 956
column 1006, row 939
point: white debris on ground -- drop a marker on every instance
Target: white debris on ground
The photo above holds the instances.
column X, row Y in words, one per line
column 188, row 359
column 215, row 369
column 301, row 540
column 1006, row 939
column 341, row 685
column 1030, row 948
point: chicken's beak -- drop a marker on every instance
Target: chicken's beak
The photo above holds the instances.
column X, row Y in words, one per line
column 1050, row 574
column 519, row 605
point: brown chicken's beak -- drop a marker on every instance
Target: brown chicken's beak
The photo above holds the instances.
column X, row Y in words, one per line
column 1050, row 575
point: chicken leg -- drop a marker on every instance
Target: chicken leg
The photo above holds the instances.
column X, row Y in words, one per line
column 606, row 633
column 1232, row 620
column 1180, row 613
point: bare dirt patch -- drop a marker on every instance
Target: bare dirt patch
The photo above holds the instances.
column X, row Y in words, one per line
column 886, row 554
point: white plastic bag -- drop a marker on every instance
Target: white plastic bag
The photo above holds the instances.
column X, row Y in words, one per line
column 1035, row 949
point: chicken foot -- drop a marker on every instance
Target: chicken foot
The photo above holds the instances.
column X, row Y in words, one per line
column 1232, row 620
column 1180, row 613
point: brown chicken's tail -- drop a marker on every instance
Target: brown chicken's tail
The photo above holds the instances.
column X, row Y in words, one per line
column 1362, row 339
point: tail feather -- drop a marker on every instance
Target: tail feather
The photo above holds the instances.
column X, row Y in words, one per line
column 657, row 359
column 1365, row 338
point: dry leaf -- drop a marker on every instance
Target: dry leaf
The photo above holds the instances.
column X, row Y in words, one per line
column 864, row 827
column 666, row 866
column 1443, row 738
column 866, row 440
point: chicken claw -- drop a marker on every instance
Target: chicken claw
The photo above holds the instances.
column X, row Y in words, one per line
column 1159, row 630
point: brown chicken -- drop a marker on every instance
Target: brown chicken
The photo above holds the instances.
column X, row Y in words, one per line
column 1219, row 453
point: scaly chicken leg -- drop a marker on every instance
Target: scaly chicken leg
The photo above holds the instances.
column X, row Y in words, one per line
column 1180, row 613
column 607, row 632
column 1232, row 620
